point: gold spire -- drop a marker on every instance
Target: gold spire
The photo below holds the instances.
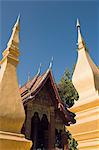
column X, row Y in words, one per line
column 86, row 73
column 12, row 50
column 78, row 24
column 14, row 39
column 80, row 43
column 9, row 85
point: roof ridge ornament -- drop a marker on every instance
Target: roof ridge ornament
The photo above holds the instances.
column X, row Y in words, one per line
column 39, row 69
column 28, row 76
column 36, row 77
column 51, row 63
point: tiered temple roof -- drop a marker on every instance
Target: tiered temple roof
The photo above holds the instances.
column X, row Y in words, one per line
column 33, row 87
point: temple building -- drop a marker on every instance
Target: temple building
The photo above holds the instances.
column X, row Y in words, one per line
column 46, row 116
column 86, row 82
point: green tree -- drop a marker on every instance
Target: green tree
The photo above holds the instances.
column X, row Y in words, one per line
column 68, row 95
column 72, row 142
column 66, row 90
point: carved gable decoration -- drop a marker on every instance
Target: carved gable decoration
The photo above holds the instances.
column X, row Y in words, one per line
column 41, row 89
column 43, row 97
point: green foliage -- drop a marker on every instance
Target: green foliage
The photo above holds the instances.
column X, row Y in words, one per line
column 66, row 90
column 68, row 95
column 72, row 143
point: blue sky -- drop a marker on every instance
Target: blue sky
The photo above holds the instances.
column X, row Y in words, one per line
column 48, row 28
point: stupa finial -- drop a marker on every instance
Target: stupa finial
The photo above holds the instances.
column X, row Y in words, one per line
column 12, row 49
column 14, row 39
column 80, row 41
column 78, row 23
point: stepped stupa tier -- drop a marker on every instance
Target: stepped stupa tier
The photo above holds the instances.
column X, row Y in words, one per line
column 86, row 82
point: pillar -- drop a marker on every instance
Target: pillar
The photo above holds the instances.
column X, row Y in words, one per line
column 52, row 129
column 28, row 122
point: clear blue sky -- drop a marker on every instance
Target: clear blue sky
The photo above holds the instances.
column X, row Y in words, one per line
column 48, row 28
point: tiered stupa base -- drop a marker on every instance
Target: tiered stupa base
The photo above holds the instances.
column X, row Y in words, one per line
column 92, row 144
column 86, row 130
column 12, row 141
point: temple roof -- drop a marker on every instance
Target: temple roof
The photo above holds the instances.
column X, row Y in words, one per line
column 34, row 86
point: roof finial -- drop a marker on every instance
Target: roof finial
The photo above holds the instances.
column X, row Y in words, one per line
column 39, row 69
column 28, row 76
column 51, row 63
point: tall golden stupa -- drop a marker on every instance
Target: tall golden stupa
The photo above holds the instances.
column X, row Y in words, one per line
column 86, row 82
